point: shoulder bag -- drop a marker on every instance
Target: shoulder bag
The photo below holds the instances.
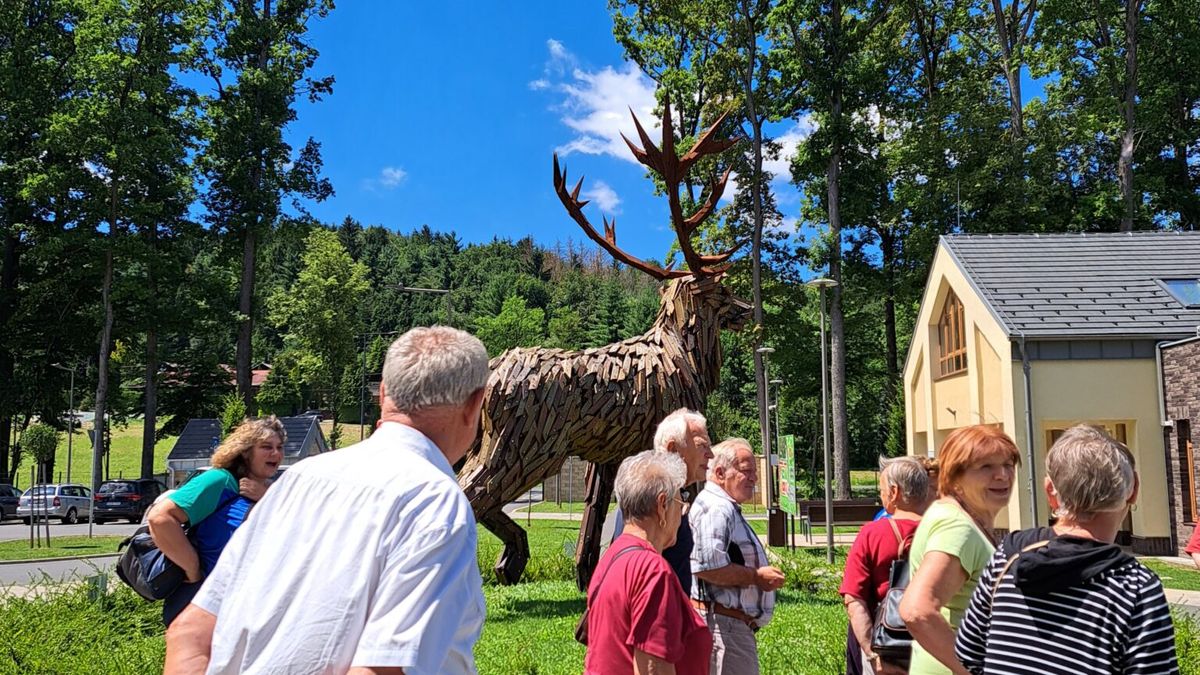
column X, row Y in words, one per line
column 890, row 638
column 145, row 569
column 581, row 628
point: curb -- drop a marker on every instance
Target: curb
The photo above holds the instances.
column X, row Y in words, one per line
column 63, row 559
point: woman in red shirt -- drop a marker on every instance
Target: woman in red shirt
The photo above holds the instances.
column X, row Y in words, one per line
column 639, row 617
column 904, row 490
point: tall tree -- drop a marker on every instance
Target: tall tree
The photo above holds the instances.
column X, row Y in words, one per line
column 837, row 79
column 258, row 59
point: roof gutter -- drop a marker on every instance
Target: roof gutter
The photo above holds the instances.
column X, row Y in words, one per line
column 1025, row 368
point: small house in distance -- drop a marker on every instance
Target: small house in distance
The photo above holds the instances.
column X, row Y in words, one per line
column 195, row 445
column 1036, row 333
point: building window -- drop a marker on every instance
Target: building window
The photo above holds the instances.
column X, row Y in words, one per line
column 1118, row 430
column 952, row 338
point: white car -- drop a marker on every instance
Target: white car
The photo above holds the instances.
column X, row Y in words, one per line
column 70, row 503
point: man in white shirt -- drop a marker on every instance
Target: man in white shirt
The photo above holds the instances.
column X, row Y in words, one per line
column 361, row 560
column 733, row 587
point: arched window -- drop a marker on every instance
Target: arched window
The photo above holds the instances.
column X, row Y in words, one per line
column 952, row 338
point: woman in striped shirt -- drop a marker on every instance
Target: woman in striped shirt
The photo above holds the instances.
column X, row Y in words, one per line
column 1065, row 599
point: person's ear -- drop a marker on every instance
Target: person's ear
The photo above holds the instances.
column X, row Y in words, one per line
column 474, row 406
column 1137, row 486
column 1051, row 495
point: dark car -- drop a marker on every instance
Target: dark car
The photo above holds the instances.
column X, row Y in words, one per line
column 9, row 497
column 125, row 499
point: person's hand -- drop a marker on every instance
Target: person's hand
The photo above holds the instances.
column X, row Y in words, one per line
column 252, row 489
column 768, row 578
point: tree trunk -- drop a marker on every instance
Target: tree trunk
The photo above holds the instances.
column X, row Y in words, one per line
column 8, row 290
column 150, row 411
column 98, row 447
column 1012, row 71
column 837, row 327
column 246, row 326
column 1128, row 140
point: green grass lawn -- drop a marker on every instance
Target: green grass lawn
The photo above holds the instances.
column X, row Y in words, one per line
column 1174, row 576
column 60, row 547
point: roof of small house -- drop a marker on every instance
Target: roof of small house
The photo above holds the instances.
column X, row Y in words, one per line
column 202, row 436
column 1094, row 285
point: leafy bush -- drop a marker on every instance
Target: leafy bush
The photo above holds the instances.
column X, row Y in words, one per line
column 807, row 572
column 233, row 413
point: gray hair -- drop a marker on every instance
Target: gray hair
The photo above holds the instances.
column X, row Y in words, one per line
column 1091, row 471
column 907, row 473
column 645, row 476
column 432, row 367
column 725, row 454
column 674, row 427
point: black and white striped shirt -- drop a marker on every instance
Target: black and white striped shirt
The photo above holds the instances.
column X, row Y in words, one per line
column 1115, row 622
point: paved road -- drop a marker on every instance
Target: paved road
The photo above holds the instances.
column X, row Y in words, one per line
column 15, row 529
column 24, row 574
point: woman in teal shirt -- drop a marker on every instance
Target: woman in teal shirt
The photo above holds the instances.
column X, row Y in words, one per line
column 214, row 504
column 953, row 544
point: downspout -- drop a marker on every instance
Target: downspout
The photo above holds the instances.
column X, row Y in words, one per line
column 1033, row 507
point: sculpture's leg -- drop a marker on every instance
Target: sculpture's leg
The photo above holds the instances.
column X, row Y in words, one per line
column 599, row 488
column 512, row 560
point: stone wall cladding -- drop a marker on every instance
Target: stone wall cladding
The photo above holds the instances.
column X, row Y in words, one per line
column 1181, row 386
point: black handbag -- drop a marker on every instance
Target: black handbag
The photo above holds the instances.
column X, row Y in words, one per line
column 581, row 628
column 145, row 569
column 890, row 638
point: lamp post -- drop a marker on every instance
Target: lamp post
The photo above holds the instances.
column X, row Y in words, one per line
column 776, row 524
column 70, row 415
column 821, row 284
column 436, row 291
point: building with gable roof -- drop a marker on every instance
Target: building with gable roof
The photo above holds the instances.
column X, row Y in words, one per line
column 194, row 448
column 1035, row 333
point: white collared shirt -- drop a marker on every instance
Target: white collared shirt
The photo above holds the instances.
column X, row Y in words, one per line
column 719, row 528
column 360, row 557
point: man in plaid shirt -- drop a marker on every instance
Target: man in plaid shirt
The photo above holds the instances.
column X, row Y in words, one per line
column 733, row 586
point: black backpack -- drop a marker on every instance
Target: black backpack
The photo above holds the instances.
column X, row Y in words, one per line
column 890, row 638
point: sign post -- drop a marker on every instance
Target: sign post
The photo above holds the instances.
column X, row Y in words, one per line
column 787, row 475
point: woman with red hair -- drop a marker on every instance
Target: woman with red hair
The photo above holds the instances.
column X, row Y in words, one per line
column 954, row 542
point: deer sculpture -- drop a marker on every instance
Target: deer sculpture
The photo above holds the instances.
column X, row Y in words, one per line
column 603, row 404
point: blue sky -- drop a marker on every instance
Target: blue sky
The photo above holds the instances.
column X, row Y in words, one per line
column 448, row 114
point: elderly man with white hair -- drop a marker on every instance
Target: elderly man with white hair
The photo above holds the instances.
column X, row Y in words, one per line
column 684, row 433
column 360, row 560
column 734, row 587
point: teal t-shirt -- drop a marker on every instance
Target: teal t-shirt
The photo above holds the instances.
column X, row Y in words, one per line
column 214, row 510
column 947, row 528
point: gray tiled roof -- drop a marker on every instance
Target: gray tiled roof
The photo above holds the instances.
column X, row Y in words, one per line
column 201, row 437
column 1098, row 285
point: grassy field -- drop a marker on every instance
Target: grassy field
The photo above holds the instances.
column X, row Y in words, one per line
column 1174, row 576
column 529, row 627
column 60, row 547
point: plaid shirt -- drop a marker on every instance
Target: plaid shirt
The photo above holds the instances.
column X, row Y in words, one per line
column 723, row 537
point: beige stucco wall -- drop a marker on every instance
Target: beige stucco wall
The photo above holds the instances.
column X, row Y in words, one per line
column 1104, row 391
column 936, row 406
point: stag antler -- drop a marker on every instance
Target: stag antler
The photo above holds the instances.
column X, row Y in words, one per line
column 673, row 169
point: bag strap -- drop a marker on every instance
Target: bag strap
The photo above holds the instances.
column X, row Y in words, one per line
column 620, row 553
column 902, row 544
column 1012, row 559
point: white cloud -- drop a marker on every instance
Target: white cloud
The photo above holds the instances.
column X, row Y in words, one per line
column 604, row 197
column 780, row 166
column 392, row 176
column 596, row 103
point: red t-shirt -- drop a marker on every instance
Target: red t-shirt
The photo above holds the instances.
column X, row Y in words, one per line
column 642, row 606
column 870, row 559
column 1193, row 545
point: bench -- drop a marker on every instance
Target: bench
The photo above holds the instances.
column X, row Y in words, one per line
column 811, row 512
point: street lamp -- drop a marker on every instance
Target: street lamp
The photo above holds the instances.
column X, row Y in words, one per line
column 436, row 291
column 70, row 413
column 776, row 524
column 821, row 284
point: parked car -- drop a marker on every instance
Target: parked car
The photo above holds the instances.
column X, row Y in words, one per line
column 127, row 499
column 9, row 497
column 70, row 503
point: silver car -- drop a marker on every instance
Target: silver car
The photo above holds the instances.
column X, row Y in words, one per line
column 70, row 503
